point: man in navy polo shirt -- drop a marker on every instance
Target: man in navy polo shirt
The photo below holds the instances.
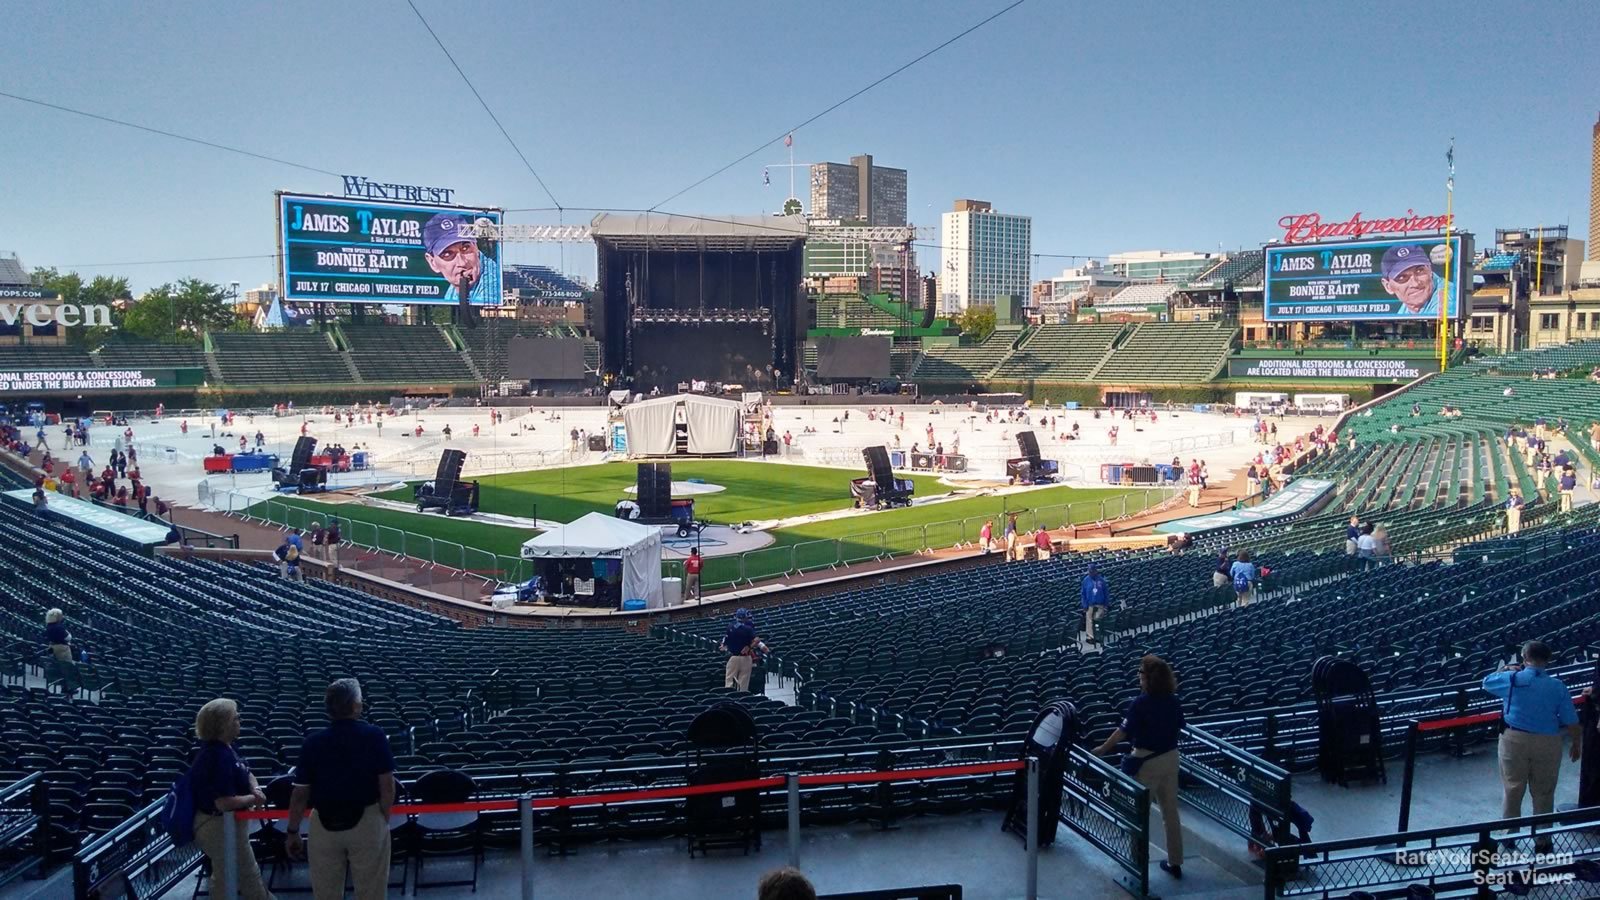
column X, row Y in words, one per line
column 1569, row 484
column 1538, row 707
column 346, row 773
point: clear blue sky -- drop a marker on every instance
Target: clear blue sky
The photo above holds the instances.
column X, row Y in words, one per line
column 1117, row 126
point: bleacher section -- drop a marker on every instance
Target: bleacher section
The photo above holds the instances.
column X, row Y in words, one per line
column 279, row 357
column 1059, row 353
column 1582, row 355
column 1238, row 268
column 1500, row 262
column 1138, row 297
column 40, row 357
column 405, row 353
column 963, row 364
column 1168, row 353
column 902, row 360
column 855, row 311
column 131, row 353
column 540, row 282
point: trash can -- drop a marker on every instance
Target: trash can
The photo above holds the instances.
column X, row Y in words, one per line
column 171, row 454
column 671, row 591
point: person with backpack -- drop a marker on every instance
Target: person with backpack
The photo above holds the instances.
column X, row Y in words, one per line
column 220, row 782
column 1244, row 575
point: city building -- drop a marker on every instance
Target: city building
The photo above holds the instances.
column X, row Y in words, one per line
column 874, row 195
column 1160, row 265
column 986, row 254
column 1594, row 194
column 1073, row 288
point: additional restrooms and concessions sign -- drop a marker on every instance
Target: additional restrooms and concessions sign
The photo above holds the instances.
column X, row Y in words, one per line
column 1364, row 368
column 87, row 380
column 360, row 251
column 1301, row 228
column 1362, row 280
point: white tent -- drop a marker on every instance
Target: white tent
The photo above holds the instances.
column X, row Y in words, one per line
column 712, row 422
column 599, row 536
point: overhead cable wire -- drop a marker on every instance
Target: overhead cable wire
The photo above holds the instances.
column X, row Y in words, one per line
column 858, row 93
column 483, row 103
column 164, row 133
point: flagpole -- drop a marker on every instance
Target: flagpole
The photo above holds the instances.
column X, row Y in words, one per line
column 1449, row 220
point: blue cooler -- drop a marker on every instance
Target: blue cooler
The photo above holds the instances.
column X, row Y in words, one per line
column 634, row 605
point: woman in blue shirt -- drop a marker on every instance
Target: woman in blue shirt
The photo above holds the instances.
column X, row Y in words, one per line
column 1152, row 725
column 221, row 782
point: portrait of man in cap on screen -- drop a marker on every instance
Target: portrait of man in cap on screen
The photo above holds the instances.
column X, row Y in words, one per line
column 456, row 259
column 1408, row 275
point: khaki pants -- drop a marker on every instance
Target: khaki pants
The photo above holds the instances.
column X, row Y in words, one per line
column 62, row 652
column 737, row 672
column 1160, row 775
column 1513, row 520
column 364, row 848
column 208, row 837
column 1090, row 616
column 1529, row 763
column 691, row 585
column 1194, row 495
column 1566, row 501
column 1244, row 597
column 1219, row 579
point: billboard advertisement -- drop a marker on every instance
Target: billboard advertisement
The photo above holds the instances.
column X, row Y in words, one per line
column 1387, row 280
column 88, row 380
column 340, row 250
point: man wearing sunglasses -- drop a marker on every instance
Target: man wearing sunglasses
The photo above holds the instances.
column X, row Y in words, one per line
column 456, row 259
column 1408, row 275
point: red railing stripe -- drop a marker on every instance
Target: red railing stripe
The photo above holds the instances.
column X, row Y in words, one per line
column 672, row 793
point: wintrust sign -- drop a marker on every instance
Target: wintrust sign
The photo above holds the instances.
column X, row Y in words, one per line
column 42, row 314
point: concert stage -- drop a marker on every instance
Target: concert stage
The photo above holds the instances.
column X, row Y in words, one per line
column 686, row 298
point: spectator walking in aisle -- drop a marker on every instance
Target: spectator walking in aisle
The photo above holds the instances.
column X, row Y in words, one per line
column 741, row 644
column 986, row 535
column 1152, row 725
column 221, row 782
column 1569, row 484
column 691, row 574
column 57, row 637
column 1352, row 536
column 1537, row 707
column 1221, row 573
column 1011, row 536
column 1367, row 546
column 785, row 884
column 1244, row 576
column 1094, row 598
column 346, row 773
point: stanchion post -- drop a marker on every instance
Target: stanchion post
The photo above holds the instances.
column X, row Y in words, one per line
column 230, row 858
column 1413, row 736
column 794, row 821
column 1033, row 828
column 525, row 815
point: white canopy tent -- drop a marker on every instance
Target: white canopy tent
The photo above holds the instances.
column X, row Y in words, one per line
column 712, row 422
column 599, row 536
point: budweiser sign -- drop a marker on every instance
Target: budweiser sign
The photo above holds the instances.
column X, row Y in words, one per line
column 1303, row 227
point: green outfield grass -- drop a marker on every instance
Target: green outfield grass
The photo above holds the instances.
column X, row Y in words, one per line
column 754, row 490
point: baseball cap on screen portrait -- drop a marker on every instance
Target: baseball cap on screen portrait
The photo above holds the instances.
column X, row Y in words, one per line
column 441, row 231
column 1403, row 256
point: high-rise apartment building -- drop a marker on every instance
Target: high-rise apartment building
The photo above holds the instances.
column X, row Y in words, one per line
column 860, row 191
column 987, row 254
column 1594, row 196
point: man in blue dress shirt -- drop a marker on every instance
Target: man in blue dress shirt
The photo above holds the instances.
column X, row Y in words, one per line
column 1537, row 708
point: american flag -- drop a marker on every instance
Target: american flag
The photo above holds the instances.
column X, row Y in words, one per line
column 788, row 140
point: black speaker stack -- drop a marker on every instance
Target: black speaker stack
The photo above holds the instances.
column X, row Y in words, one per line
column 1030, row 467
column 880, row 487
column 447, row 492
column 655, row 490
column 1029, row 447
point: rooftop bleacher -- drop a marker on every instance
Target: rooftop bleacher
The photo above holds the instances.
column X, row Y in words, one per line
column 856, row 311
column 405, row 353
column 1168, row 352
column 1499, row 262
column 1237, row 267
column 279, row 357
column 1581, row 355
column 1059, row 353
column 540, row 280
column 1139, row 296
